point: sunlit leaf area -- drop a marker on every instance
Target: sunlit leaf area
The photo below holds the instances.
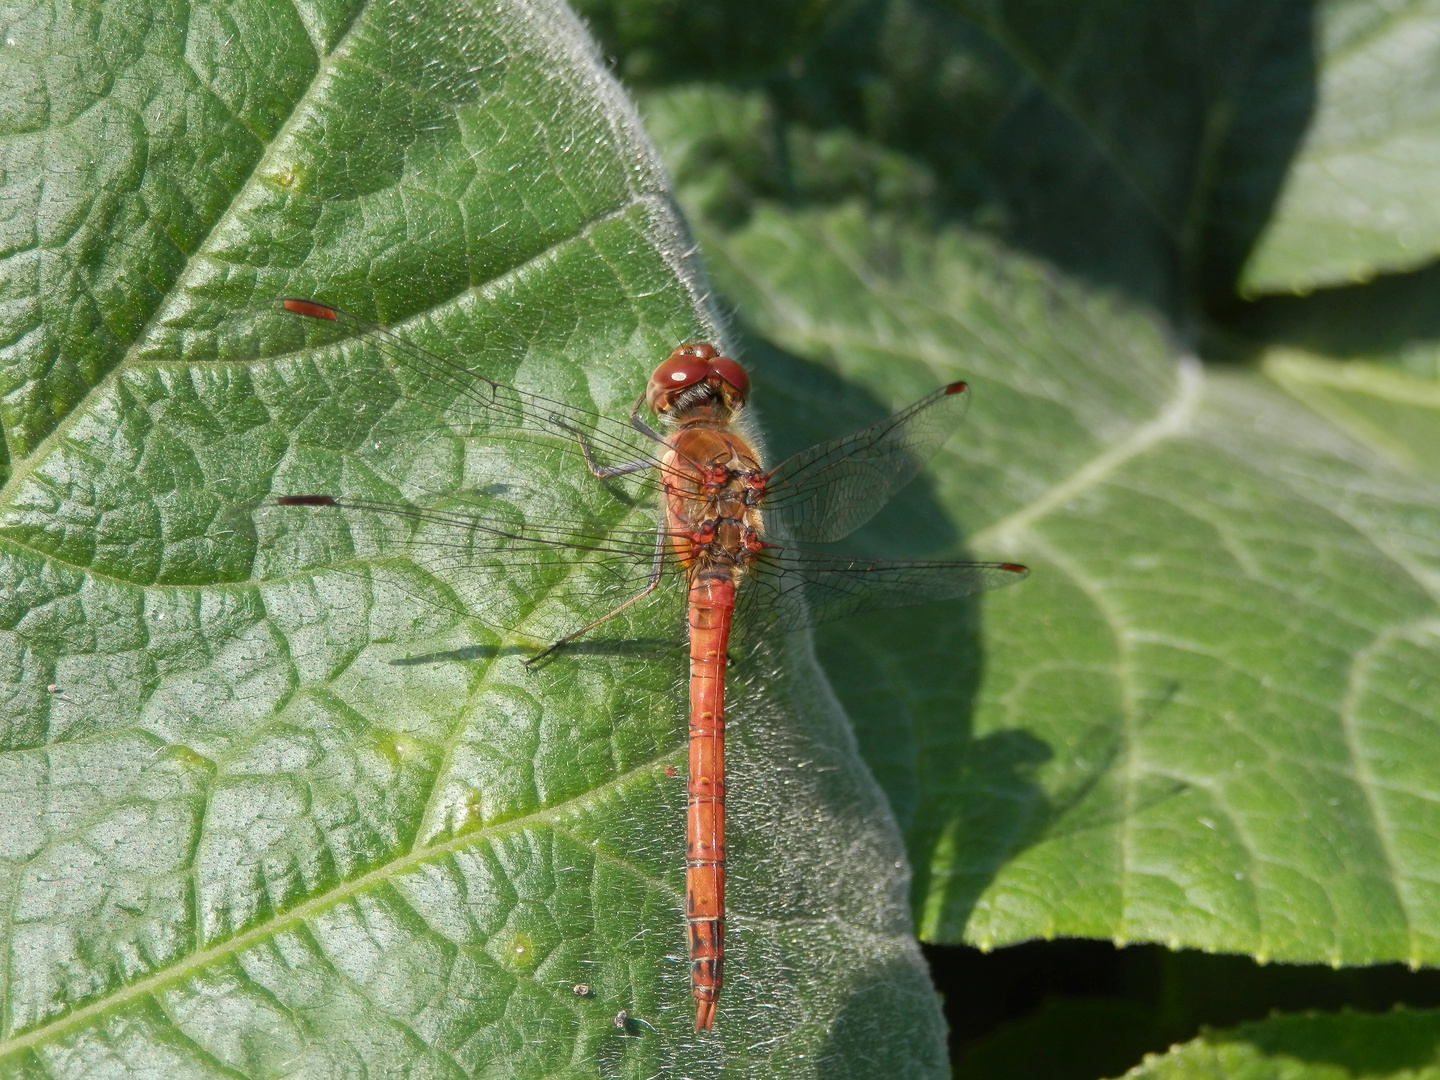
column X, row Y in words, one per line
column 280, row 796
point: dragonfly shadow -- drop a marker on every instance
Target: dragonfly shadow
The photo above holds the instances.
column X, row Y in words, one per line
column 968, row 802
column 629, row 647
column 463, row 655
column 1080, row 794
column 634, row 648
column 908, row 678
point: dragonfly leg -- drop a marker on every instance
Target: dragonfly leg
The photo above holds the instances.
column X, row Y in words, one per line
column 607, row 472
column 657, row 568
column 638, row 422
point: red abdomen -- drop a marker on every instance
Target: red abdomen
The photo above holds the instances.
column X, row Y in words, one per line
column 712, row 601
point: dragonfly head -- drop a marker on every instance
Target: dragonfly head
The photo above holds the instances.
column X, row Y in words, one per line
column 697, row 380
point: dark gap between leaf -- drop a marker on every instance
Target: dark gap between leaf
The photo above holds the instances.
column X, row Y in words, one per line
column 1081, row 1010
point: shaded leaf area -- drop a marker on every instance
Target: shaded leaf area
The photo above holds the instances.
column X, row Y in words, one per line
column 1119, row 140
column 277, row 796
column 1075, row 1010
column 719, row 38
column 1206, row 720
column 1392, row 321
column 1312, row 1047
column 1188, row 155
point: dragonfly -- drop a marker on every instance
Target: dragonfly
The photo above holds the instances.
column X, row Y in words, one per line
column 727, row 528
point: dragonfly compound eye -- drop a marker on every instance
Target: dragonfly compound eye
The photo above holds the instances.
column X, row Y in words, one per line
column 733, row 374
column 687, row 366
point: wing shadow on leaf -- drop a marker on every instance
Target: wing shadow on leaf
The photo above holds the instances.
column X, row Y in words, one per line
column 966, row 803
column 632, row 647
column 969, row 803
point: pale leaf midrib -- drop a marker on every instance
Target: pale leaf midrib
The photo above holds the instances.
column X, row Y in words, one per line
column 1173, row 419
column 1365, row 780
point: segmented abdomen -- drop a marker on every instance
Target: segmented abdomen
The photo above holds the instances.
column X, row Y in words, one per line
column 712, row 601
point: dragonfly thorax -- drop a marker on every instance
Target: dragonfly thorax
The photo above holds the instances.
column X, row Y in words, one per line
column 712, row 512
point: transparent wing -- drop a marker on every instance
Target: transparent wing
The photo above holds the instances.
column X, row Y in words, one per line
column 828, row 491
column 495, row 568
column 787, row 589
column 498, row 568
column 479, row 406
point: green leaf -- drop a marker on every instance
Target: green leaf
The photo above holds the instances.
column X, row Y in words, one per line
column 1182, row 152
column 1391, row 411
column 1336, row 1046
column 276, row 799
column 127, row 133
column 1358, row 199
column 1208, row 717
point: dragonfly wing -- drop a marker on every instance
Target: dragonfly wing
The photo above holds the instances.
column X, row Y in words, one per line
column 494, row 568
column 477, row 405
column 828, row 491
column 788, row 589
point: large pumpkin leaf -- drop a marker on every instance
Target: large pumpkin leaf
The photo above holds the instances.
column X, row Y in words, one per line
column 274, row 805
column 1209, row 716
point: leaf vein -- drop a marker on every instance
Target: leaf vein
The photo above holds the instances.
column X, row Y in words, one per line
column 298, row 915
column 1174, row 419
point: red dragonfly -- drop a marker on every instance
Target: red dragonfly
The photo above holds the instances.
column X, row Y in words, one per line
column 725, row 526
